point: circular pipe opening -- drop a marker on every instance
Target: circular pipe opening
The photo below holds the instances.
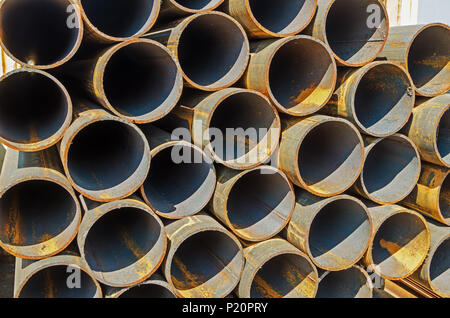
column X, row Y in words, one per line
column 391, row 170
column 443, row 137
column 330, row 157
column 302, row 76
column 148, row 290
column 260, row 204
column 400, row 245
column 284, row 17
column 176, row 190
column 439, row 268
column 141, row 81
column 383, row 100
column 201, row 265
column 213, row 60
column 35, row 211
column 35, row 110
column 121, row 19
column 349, row 283
column 42, row 38
column 352, row 32
column 51, row 282
column 444, row 198
column 197, row 5
column 339, row 234
column 105, row 154
column 429, row 60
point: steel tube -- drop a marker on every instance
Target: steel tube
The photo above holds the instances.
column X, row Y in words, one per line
column 297, row 73
column 35, row 110
column 399, row 243
column 391, row 169
column 212, row 49
column 322, row 154
column 204, row 260
column 182, row 178
column 424, row 51
column 39, row 211
column 267, row 18
column 334, row 232
column 154, row 287
column 255, row 204
column 378, row 98
column 171, row 9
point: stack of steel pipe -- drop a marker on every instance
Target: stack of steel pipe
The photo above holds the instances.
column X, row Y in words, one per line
column 203, row 148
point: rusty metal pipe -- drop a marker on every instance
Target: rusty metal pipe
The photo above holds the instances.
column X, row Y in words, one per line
column 424, row 51
column 399, row 243
column 154, row 287
column 391, row 169
column 334, row 232
column 212, row 49
column 204, row 260
column 349, row 28
column 104, row 157
column 297, row 73
column 171, row 9
column 255, row 204
column 39, row 211
column 353, row 282
column 322, row 154
column 268, row 18
column 36, row 33
column 378, row 98
column 35, row 110
column 276, row 269
column 182, row 178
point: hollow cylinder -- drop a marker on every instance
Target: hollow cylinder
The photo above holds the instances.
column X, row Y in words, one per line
column 122, row 242
column 431, row 195
column 322, row 154
column 378, row 98
column 297, row 73
column 104, row 157
column 276, row 269
column 334, row 232
column 353, row 282
column 154, row 287
column 204, row 260
column 40, row 34
column 391, row 169
column 171, row 9
column 268, row 19
column 212, row 49
column 424, row 51
column 256, row 204
column 355, row 30
column 35, row 110
column 429, row 129
column 182, row 178
column 235, row 136
column 399, row 242
column 39, row 211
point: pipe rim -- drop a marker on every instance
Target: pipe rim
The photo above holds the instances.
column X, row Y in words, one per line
column 436, row 125
column 428, row 262
column 445, row 220
column 212, row 5
column 369, row 283
column 158, row 282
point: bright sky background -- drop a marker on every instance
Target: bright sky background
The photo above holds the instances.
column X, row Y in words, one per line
column 434, row 11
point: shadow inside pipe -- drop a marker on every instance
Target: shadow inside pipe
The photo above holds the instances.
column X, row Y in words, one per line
column 444, row 198
column 286, row 275
column 443, row 137
column 440, row 268
column 349, row 283
column 120, row 238
column 148, row 291
column 197, row 4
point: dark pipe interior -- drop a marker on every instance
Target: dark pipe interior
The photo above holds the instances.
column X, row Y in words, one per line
column 36, row 32
column 148, row 291
column 440, row 268
column 443, row 137
column 383, row 99
column 299, row 73
column 139, row 78
column 282, row 275
column 348, row 32
column 262, row 200
column 255, row 116
column 391, row 169
column 202, row 257
column 444, row 198
column 339, row 233
column 197, row 4
column 282, row 16
column 169, row 184
column 51, row 282
column 120, row 238
column 32, row 107
column 205, row 56
column 119, row 18
column 350, row 283
column 35, row 211
column 104, row 154
column 428, row 59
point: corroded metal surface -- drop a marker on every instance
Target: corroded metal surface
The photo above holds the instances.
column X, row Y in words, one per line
column 171, row 9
